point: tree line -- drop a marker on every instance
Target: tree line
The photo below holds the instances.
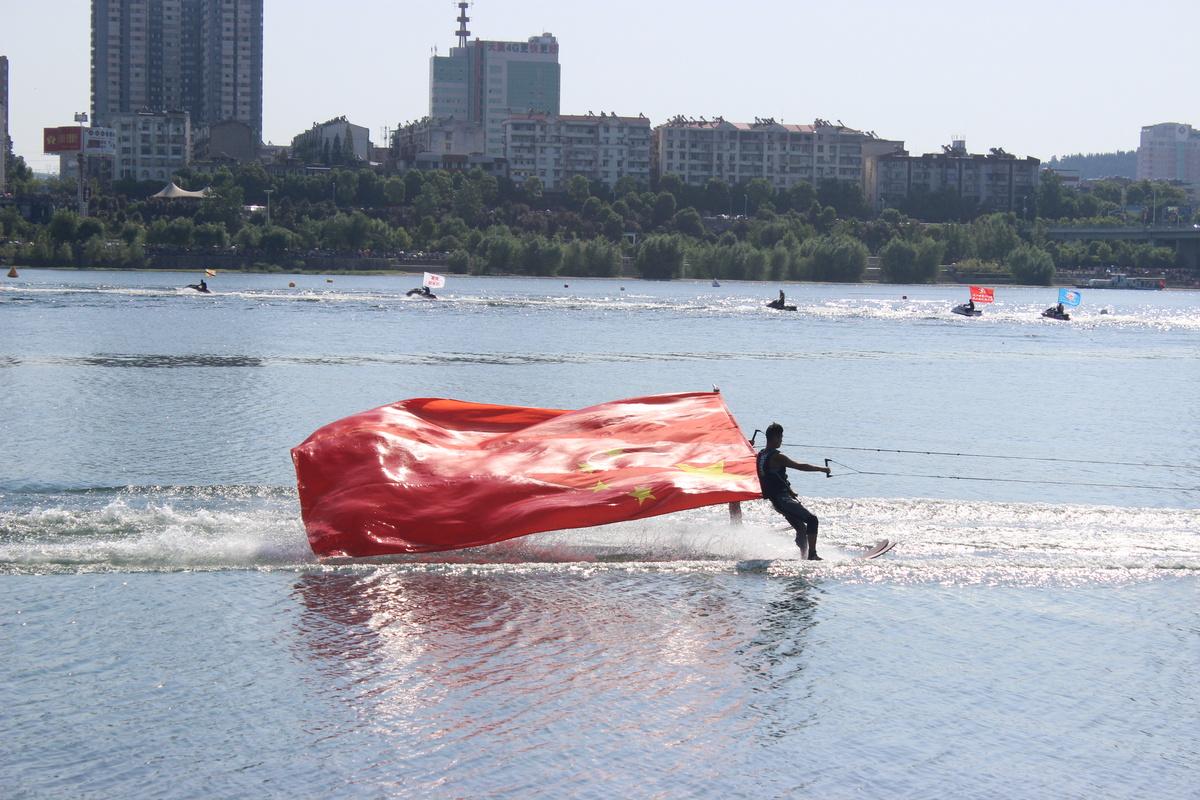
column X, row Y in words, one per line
column 489, row 225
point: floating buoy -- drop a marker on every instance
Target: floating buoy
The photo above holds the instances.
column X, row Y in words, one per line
column 903, row 297
column 291, row 284
column 622, row 288
column 329, row 280
column 12, row 272
column 566, row 285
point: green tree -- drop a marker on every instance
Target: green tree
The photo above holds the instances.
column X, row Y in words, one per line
column 758, row 192
column 276, row 240
column 688, row 222
column 903, row 261
column 625, row 185
column 89, row 228
column 533, row 188
column 394, row 191
column 63, row 226
column 664, row 207
column 995, row 236
column 717, row 197
column 846, row 197
column 801, row 196
column 660, row 257
column 1031, row 265
column 211, row 235
column 578, row 191
column 835, row 258
column 542, row 256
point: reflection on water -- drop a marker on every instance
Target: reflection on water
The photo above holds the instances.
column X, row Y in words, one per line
column 448, row 666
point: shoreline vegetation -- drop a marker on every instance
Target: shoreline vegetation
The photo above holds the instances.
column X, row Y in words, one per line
column 357, row 221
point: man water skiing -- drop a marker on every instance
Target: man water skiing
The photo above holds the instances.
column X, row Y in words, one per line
column 772, row 475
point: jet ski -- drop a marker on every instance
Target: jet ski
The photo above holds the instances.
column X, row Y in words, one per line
column 421, row 292
column 779, row 306
column 966, row 310
column 1054, row 312
column 200, row 287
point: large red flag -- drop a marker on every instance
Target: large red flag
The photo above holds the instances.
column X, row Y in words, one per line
column 430, row 474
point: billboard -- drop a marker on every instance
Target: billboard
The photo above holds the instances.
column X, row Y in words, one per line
column 64, row 139
column 100, row 141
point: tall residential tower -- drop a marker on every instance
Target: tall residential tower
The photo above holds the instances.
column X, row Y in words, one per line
column 1169, row 151
column 199, row 56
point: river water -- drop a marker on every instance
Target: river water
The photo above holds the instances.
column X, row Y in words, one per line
column 166, row 631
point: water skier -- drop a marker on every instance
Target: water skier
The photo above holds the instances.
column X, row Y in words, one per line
column 772, row 475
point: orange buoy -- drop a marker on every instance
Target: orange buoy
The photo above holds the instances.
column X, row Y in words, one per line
column 12, row 272
column 291, row 284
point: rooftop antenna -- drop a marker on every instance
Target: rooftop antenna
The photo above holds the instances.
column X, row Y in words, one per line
column 462, row 33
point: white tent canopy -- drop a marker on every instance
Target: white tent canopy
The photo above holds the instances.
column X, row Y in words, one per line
column 172, row 192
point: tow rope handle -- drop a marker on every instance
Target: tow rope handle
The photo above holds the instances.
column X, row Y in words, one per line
column 830, row 473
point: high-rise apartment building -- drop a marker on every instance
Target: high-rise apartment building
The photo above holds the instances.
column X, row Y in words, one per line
column 3, row 124
column 998, row 181
column 231, row 62
column 136, row 57
column 601, row 148
column 695, row 150
column 1169, row 151
column 485, row 82
column 199, row 56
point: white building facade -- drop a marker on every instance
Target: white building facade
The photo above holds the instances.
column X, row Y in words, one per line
column 151, row 146
column 604, row 148
column 783, row 155
column 1169, row 151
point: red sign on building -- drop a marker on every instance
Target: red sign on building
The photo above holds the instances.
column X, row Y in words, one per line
column 64, row 139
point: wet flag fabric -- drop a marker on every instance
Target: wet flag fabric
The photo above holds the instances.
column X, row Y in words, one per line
column 433, row 281
column 432, row 474
column 983, row 294
column 1069, row 297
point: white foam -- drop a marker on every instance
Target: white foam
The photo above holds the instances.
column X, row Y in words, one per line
column 168, row 530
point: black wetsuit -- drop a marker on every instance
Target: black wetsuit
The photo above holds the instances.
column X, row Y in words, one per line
column 777, row 489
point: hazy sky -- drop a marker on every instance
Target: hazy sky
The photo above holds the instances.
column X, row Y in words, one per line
column 1036, row 78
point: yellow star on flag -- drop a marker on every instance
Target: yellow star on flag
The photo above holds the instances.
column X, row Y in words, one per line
column 616, row 452
column 600, row 486
column 714, row 470
column 642, row 494
column 586, row 467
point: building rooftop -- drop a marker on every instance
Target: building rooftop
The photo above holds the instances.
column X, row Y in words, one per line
column 601, row 117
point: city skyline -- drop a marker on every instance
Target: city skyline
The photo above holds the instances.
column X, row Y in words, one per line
column 1035, row 81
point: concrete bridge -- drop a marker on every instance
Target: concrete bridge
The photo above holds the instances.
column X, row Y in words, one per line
column 1185, row 240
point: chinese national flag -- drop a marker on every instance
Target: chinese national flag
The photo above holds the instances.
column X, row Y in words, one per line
column 430, row 474
column 983, row 294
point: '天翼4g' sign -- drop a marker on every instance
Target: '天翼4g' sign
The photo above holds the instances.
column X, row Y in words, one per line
column 65, row 139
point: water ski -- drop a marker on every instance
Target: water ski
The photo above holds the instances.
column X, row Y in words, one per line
column 764, row 564
column 966, row 310
column 881, row 547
